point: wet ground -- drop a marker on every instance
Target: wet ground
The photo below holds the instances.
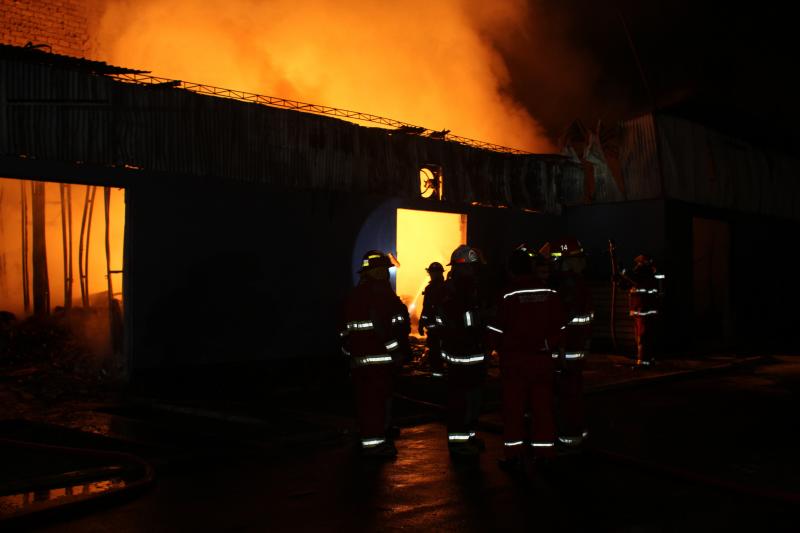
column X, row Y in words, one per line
column 708, row 453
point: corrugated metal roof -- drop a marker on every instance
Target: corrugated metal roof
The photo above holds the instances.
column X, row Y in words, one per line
column 35, row 54
column 70, row 114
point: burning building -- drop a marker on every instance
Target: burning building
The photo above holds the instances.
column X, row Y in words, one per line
column 235, row 221
column 244, row 222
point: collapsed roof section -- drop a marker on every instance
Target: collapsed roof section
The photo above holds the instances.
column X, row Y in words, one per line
column 66, row 109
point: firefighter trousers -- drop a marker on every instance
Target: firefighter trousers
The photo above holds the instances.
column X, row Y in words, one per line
column 528, row 386
column 464, row 399
column 570, row 385
column 434, row 343
column 645, row 330
column 373, row 395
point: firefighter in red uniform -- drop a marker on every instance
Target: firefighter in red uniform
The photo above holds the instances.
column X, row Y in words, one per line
column 528, row 325
column 461, row 319
column 645, row 292
column 570, row 262
column 376, row 329
column 431, row 300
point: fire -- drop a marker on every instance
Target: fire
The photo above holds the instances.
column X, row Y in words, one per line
column 57, row 238
column 421, row 61
column 422, row 238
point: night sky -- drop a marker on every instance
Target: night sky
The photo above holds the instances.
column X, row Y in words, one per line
column 733, row 66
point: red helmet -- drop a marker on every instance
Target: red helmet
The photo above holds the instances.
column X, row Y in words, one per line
column 544, row 251
column 565, row 247
column 465, row 254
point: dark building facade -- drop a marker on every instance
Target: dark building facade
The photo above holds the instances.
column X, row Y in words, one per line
column 718, row 213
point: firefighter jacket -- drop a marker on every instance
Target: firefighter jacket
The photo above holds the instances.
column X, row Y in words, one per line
column 530, row 319
column 576, row 297
column 461, row 320
column 644, row 292
column 376, row 324
column 577, row 300
column 432, row 298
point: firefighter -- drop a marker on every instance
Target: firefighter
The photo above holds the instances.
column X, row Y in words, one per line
column 528, row 325
column 645, row 292
column 431, row 300
column 461, row 321
column 376, row 327
column 570, row 262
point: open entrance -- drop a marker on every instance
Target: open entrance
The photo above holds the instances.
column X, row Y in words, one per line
column 61, row 255
column 422, row 238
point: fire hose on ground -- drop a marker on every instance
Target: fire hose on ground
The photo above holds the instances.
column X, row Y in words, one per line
column 130, row 489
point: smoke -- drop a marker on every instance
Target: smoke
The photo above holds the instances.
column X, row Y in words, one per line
column 556, row 57
column 427, row 62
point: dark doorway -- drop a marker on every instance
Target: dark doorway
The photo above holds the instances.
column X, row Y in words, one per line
column 711, row 282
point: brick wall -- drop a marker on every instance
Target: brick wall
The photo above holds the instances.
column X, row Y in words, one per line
column 63, row 24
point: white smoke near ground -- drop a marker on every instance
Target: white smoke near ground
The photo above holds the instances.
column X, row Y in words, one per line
column 426, row 62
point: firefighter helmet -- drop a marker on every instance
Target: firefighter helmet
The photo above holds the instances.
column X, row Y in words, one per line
column 435, row 267
column 528, row 249
column 643, row 259
column 564, row 247
column 544, row 251
column 464, row 255
column 521, row 262
column 375, row 259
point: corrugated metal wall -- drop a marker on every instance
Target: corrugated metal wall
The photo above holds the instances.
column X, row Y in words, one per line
column 702, row 166
column 638, row 155
column 71, row 115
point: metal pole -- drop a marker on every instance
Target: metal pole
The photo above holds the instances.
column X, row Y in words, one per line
column 62, row 190
column 613, row 311
column 25, row 274
column 88, row 243
column 70, row 277
column 41, row 279
column 111, row 321
column 81, row 275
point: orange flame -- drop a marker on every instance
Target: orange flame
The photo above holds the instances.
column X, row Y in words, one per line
column 421, row 61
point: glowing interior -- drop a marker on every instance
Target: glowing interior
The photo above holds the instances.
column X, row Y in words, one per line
column 422, row 238
column 11, row 269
